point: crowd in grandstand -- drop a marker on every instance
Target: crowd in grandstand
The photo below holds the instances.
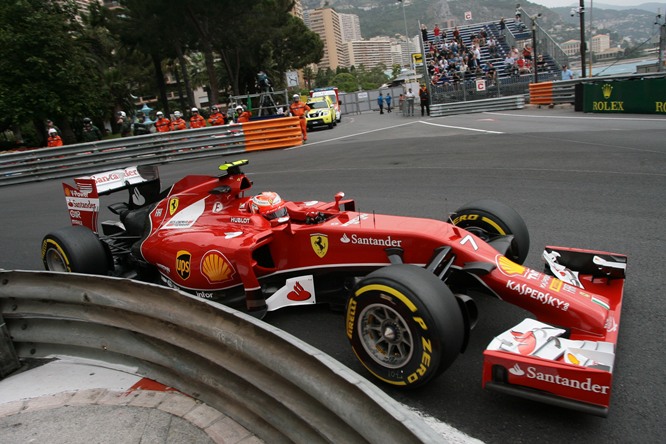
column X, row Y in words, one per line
column 453, row 59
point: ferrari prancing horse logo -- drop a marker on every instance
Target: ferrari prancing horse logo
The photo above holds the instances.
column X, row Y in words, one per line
column 319, row 244
column 173, row 205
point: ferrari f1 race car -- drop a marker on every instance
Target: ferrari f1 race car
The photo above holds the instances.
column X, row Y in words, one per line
column 405, row 283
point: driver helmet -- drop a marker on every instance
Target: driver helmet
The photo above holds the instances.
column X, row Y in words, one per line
column 271, row 206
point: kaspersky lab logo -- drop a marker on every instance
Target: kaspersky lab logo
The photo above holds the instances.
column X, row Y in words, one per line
column 533, row 373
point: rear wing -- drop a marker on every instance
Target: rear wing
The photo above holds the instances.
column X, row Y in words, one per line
column 142, row 182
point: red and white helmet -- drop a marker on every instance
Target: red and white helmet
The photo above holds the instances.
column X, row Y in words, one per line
column 270, row 205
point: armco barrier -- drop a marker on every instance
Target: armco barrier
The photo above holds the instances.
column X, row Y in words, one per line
column 477, row 106
column 87, row 158
column 273, row 384
column 265, row 134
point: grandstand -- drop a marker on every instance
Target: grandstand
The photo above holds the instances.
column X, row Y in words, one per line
column 508, row 81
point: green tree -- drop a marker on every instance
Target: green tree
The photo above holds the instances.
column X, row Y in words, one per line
column 46, row 68
column 345, row 82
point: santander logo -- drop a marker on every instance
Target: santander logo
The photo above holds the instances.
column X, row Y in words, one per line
column 516, row 370
column 298, row 293
column 534, row 373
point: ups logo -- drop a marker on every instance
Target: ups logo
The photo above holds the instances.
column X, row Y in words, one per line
column 183, row 261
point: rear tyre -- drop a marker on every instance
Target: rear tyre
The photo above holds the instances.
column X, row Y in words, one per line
column 74, row 249
column 404, row 325
column 489, row 219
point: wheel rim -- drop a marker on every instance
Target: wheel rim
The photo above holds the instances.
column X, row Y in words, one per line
column 385, row 336
column 55, row 261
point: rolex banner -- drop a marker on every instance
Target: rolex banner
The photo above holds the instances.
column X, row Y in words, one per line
column 645, row 96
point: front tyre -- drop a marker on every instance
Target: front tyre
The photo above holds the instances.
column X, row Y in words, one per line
column 74, row 249
column 488, row 219
column 404, row 325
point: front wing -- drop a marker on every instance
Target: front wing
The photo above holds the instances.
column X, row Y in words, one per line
column 563, row 366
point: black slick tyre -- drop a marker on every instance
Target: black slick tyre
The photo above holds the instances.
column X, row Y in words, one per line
column 404, row 325
column 488, row 219
column 74, row 249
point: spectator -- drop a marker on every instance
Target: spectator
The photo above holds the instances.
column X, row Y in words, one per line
column 54, row 139
column 178, row 123
column 300, row 109
column 216, row 117
column 90, row 132
column 401, row 102
column 141, row 127
column 162, row 124
column 231, row 112
column 197, row 121
column 124, row 123
column 514, row 53
column 567, row 74
column 456, row 35
column 523, row 65
column 424, row 33
column 380, row 103
column 243, row 114
column 540, row 63
column 502, row 28
column 492, row 47
column 387, row 99
column 50, row 125
column 527, row 52
column 409, row 99
column 280, row 109
column 425, row 100
column 491, row 73
column 436, row 32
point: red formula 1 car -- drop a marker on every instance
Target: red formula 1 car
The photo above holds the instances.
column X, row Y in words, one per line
column 405, row 283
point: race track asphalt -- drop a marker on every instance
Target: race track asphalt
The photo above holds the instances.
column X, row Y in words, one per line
column 579, row 180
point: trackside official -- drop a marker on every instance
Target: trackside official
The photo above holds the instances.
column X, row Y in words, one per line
column 300, row 109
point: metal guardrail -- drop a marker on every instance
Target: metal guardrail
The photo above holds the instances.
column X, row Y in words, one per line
column 84, row 158
column 478, row 106
column 273, row 384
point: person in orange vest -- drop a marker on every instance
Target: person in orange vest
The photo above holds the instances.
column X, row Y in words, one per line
column 216, row 117
column 54, row 139
column 162, row 124
column 197, row 120
column 178, row 123
column 300, row 109
column 243, row 115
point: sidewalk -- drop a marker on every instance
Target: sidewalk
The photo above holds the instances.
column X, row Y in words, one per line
column 78, row 401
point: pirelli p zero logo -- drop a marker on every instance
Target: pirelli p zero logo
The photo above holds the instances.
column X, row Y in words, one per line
column 183, row 264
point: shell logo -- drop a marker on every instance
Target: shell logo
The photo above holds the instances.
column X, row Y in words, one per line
column 510, row 268
column 216, row 267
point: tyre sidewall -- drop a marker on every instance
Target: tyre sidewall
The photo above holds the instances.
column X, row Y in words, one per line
column 80, row 248
column 428, row 309
column 495, row 217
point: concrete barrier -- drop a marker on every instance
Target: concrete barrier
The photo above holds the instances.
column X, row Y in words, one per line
column 273, row 384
